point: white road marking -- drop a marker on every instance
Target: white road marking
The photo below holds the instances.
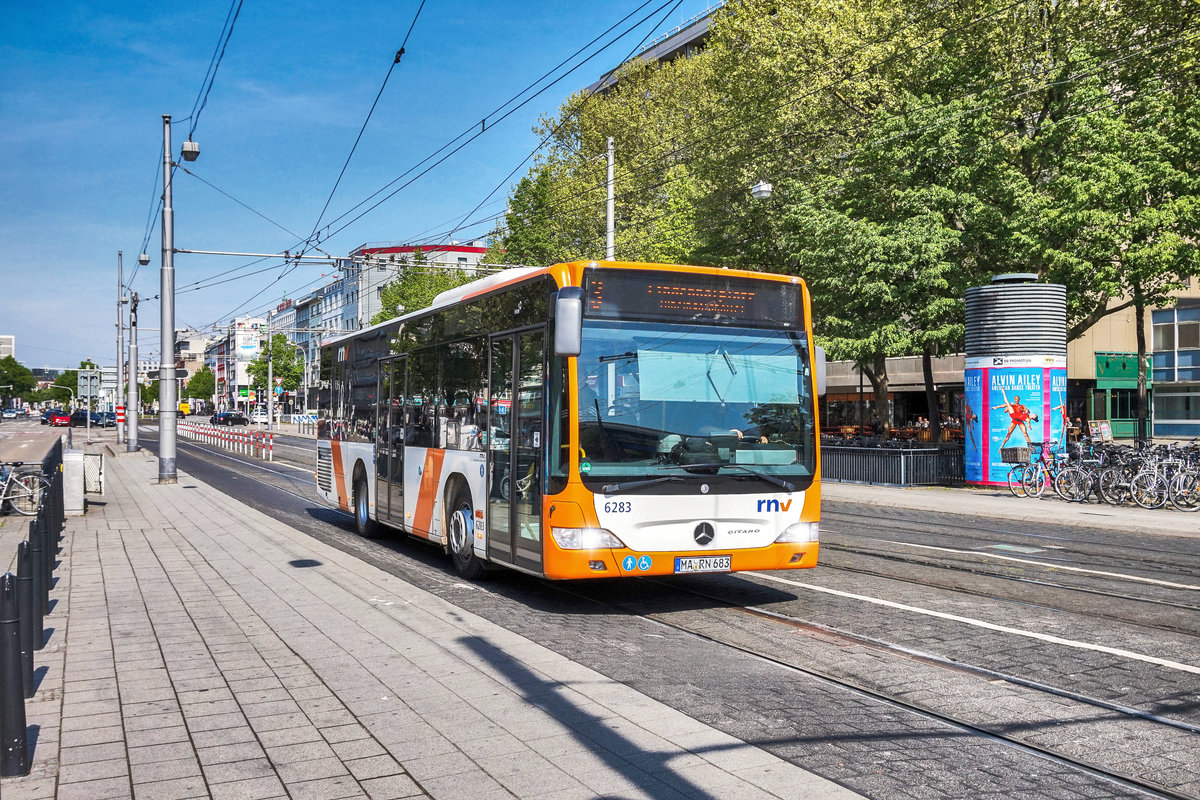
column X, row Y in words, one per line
column 1122, row 576
column 1045, row 637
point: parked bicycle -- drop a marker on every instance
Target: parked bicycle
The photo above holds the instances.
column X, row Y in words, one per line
column 22, row 490
column 1150, row 476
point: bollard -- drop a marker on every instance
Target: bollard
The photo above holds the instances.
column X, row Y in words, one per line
column 40, row 530
column 27, row 614
column 38, row 579
column 14, row 736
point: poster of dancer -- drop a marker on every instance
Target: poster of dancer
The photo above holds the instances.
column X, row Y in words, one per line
column 1011, row 402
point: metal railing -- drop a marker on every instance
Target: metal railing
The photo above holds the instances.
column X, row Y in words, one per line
column 940, row 465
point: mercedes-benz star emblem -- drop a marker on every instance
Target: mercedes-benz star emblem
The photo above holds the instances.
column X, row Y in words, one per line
column 704, row 533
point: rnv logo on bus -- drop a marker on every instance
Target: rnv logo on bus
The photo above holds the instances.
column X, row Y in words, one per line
column 774, row 505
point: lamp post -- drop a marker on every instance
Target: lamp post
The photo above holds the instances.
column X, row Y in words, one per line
column 168, row 401
column 132, row 390
column 121, row 300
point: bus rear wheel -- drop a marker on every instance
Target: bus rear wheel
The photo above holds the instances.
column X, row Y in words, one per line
column 461, row 529
column 366, row 527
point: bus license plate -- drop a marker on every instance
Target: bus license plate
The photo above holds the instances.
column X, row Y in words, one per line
column 703, row 563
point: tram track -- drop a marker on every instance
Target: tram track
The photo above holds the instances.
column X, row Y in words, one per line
column 1101, row 611
column 1165, row 559
column 989, row 732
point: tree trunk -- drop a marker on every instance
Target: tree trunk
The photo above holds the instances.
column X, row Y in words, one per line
column 1143, row 409
column 877, row 373
column 931, row 398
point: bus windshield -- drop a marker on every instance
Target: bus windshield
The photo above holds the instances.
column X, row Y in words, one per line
column 660, row 399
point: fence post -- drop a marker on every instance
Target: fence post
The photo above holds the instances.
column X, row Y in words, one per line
column 14, row 736
column 27, row 613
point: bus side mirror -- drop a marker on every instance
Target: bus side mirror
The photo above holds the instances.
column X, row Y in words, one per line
column 819, row 369
column 568, row 321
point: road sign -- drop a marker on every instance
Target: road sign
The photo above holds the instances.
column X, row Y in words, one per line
column 278, row 390
column 88, row 383
column 109, row 379
column 279, row 381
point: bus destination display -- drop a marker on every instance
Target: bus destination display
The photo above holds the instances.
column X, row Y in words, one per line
column 643, row 294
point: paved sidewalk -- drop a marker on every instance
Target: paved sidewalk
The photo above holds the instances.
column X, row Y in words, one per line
column 1001, row 504
column 198, row 648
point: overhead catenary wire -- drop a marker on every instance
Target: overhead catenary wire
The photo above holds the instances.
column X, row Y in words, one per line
column 235, row 8
column 198, row 105
column 370, row 113
column 557, row 127
column 473, row 133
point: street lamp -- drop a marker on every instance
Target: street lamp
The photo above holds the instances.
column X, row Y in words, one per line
column 761, row 190
column 168, row 417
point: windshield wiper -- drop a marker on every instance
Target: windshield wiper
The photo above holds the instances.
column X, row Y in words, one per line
column 766, row 476
column 614, row 488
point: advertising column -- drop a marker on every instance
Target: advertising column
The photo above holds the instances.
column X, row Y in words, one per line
column 1011, row 402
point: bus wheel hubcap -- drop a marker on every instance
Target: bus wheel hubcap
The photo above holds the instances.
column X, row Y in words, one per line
column 460, row 531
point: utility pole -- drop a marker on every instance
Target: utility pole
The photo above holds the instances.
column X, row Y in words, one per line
column 132, row 398
column 270, row 383
column 120, row 342
column 168, row 405
column 610, row 239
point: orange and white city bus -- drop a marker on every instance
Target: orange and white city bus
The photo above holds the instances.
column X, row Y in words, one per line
column 591, row 419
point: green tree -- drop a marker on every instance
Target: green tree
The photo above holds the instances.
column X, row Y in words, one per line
column 148, row 393
column 415, row 289
column 285, row 363
column 527, row 236
column 201, row 385
column 16, row 379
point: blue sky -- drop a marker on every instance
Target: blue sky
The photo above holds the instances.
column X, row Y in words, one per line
column 83, row 88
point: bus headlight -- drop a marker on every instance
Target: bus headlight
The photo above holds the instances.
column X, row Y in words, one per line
column 585, row 539
column 800, row 533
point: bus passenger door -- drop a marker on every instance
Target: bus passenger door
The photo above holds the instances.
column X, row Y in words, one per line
column 515, row 443
column 389, row 447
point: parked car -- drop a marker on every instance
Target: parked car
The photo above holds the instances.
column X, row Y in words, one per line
column 57, row 418
column 229, row 418
column 108, row 419
column 48, row 412
column 79, row 418
column 258, row 416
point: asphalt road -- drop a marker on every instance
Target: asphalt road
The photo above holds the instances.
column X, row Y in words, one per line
column 927, row 656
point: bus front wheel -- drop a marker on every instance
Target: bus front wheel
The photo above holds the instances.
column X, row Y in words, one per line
column 366, row 527
column 461, row 526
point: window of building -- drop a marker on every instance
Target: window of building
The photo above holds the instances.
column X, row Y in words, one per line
column 1189, row 335
column 1176, row 406
column 1124, row 403
column 1164, row 336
